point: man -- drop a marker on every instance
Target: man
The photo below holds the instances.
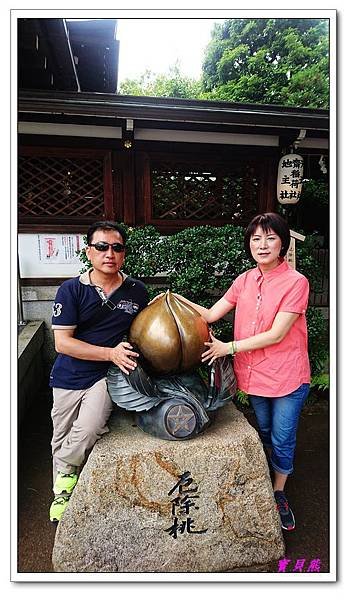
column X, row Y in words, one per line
column 91, row 315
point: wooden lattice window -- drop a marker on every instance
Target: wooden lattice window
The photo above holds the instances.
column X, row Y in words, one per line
column 204, row 191
column 64, row 185
column 60, row 186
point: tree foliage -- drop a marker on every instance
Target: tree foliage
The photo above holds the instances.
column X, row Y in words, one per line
column 268, row 61
column 174, row 85
column 260, row 61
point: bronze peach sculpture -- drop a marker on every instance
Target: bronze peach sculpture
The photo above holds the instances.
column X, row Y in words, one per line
column 171, row 399
column 170, row 335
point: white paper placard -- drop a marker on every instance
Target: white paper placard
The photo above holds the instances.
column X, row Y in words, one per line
column 49, row 254
column 59, row 249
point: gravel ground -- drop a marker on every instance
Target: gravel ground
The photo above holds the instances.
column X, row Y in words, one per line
column 308, row 490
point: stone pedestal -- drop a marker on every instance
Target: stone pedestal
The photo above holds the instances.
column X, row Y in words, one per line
column 132, row 511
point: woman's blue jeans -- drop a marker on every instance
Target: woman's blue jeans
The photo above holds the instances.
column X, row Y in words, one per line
column 278, row 422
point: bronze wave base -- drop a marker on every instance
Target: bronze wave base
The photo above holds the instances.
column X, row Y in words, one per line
column 173, row 407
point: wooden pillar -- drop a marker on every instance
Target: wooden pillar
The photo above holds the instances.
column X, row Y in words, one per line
column 143, row 189
column 268, row 185
column 128, row 186
column 108, row 187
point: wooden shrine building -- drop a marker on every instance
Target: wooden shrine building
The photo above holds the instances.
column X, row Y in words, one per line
column 87, row 153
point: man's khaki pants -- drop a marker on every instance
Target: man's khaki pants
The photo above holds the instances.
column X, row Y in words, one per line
column 79, row 420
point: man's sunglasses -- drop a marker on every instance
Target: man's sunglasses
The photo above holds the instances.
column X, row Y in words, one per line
column 104, row 246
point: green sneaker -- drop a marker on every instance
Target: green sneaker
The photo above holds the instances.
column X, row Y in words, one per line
column 64, row 483
column 58, row 507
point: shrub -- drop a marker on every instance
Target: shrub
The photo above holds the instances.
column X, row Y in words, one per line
column 307, row 264
column 201, row 262
column 315, row 193
column 321, row 382
column 202, row 259
column 144, row 250
column 318, row 342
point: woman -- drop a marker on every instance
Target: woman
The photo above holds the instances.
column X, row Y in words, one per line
column 270, row 344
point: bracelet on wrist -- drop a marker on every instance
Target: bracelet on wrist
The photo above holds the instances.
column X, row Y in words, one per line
column 232, row 348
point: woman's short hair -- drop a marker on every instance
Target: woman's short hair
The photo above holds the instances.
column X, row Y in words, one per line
column 106, row 226
column 268, row 221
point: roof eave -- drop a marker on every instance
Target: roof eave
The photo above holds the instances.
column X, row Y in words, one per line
column 175, row 110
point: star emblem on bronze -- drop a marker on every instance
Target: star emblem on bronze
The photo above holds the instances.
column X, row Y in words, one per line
column 180, row 420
